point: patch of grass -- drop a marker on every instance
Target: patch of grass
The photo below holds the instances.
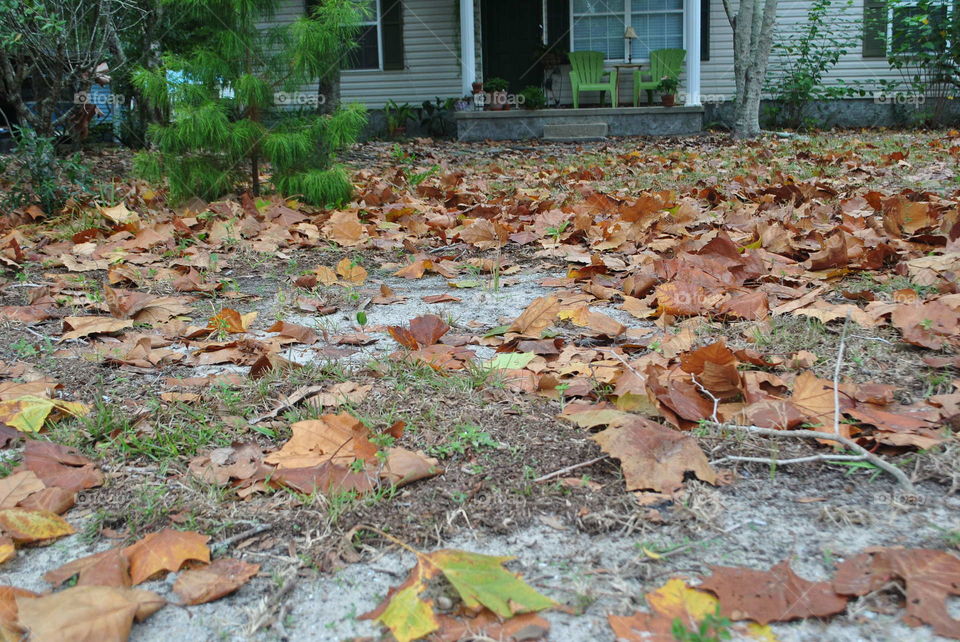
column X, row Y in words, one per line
column 464, row 437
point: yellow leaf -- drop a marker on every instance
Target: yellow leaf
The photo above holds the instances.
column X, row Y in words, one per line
column 350, row 272
column 651, row 554
column 28, row 526
column 7, row 549
column 676, row 600
column 29, row 413
column 119, row 214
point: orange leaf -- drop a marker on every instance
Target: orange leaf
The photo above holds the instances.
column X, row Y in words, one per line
column 224, row 576
column 166, row 550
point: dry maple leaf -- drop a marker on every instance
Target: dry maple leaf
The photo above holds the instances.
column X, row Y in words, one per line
column 777, row 595
column 87, row 613
column 654, row 457
column 18, row 486
column 222, row 577
column 931, row 578
column 27, row 526
column 537, row 317
column 428, row 329
column 76, row 327
column 339, row 438
column 108, row 568
column 166, row 550
column 61, row 466
column 9, row 617
column 715, row 368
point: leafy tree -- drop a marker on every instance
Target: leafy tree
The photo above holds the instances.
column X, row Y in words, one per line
column 53, row 48
column 234, row 103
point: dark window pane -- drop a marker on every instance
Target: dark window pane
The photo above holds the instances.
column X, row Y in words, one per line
column 366, row 55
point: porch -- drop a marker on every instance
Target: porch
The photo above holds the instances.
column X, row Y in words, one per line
column 578, row 124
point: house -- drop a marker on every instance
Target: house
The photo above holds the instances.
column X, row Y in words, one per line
column 416, row 50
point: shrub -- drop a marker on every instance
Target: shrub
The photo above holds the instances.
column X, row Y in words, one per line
column 37, row 176
column 533, row 98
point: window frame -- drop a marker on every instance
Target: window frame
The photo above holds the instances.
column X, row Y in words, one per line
column 378, row 23
column 627, row 13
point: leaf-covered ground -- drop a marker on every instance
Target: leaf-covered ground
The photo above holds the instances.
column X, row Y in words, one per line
column 600, row 347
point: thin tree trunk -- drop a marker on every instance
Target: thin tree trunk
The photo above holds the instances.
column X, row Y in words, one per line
column 752, row 25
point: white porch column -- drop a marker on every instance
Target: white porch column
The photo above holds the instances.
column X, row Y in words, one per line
column 691, row 28
column 468, row 48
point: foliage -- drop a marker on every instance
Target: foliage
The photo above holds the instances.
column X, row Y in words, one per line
column 495, row 84
column 227, row 97
column 533, row 98
column 397, row 117
column 925, row 50
column 435, row 116
column 803, row 57
column 669, row 84
column 36, row 174
column 54, row 47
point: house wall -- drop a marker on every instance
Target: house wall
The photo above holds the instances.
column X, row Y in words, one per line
column 431, row 46
column 716, row 76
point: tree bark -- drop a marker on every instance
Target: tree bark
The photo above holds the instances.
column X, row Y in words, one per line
column 753, row 25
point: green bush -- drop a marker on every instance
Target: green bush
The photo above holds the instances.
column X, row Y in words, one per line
column 533, row 98
column 37, row 176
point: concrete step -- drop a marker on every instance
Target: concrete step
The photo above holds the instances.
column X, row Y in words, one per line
column 575, row 131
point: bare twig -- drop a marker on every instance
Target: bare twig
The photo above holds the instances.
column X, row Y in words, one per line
column 795, row 460
column 224, row 544
column 862, row 452
column 568, row 469
column 836, row 376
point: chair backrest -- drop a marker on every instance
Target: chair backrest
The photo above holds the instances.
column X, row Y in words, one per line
column 587, row 65
column 666, row 62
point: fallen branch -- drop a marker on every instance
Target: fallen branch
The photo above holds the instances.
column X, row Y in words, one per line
column 836, row 376
column 862, row 454
column 568, row 469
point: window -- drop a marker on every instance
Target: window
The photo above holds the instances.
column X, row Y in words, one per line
column 909, row 26
column 366, row 55
column 598, row 25
column 380, row 38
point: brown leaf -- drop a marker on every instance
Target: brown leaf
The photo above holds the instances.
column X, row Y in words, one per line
column 814, row 397
column 166, row 550
column 108, row 568
column 301, row 333
column 777, row 595
column 404, row 466
column 929, row 325
column 8, row 610
column 223, row 465
column 61, row 466
column 344, row 228
column 930, row 576
column 404, row 337
column 89, row 613
column 224, row 576
column 229, row 320
column 428, row 329
column 538, row 316
column 341, row 438
column 76, row 327
column 715, row 367
column 17, row 487
column 326, row 478
column 653, row 456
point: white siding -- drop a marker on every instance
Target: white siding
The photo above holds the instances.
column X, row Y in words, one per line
column 431, row 45
column 717, row 73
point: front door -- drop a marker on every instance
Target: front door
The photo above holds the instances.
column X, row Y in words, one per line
column 513, row 41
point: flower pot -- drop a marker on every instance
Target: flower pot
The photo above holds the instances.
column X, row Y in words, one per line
column 667, row 100
column 498, row 101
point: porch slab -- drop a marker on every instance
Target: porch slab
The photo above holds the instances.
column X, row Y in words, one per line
column 521, row 124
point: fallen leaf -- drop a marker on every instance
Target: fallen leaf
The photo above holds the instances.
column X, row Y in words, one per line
column 777, row 595
column 26, row 526
column 30, row 413
column 94, row 613
column 18, row 486
column 538, row 316
column 653, row 456
column 222, row 577
column 166, row 550
column 61, row 466
column 76, row 327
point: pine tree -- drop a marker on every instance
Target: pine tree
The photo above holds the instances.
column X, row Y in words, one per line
column 228, row 104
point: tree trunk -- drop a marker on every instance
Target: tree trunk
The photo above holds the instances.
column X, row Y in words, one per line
column 328, row 94
column 752, row 25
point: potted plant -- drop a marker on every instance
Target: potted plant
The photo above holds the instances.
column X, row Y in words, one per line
column 498, row 93
column 532, row 97
column 668, row 90
column 397, row 117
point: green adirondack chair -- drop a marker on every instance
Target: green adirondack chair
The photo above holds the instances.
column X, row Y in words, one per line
column 586, row 74
column 663, row 62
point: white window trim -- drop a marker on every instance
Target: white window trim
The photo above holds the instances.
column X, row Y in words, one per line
column 626, row 20
column 378, row 23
